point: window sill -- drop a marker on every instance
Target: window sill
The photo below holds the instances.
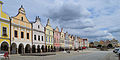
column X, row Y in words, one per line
column 5, row 35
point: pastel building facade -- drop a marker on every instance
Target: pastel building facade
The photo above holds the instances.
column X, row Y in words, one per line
column 56, row 39
column 66, row 41
column 62, row 39
column 85, row 43
column 38, row 36
column 70, row 41
column 21, row 33
column 4, row 30
column 49, row 38
column 76, row 43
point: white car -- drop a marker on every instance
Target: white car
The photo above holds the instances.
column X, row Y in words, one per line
column 116, row 50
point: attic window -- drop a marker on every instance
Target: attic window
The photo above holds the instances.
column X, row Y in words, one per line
column 22, row 18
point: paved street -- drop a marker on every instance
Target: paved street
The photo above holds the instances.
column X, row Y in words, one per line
column 85, row 55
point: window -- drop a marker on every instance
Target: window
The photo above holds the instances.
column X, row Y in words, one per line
column 4, row 31
column 49, row 38
column 34, row 37
column 22, row 34
column 42, row 38
column 49, row 32
column 15, row 33
column 27, row 35
column 39, row 37
column 46, row 39
column 22, row 18
column 38, row 26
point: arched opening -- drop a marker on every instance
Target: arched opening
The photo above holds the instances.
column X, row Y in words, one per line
column 54, row 49
column 13, row 48
column 60, row 49
column 21, row 49
column 42, row 48
column 27, row 48
column 51, row 48
column 33, row 49
column 4, row 46
column 38, row 48
column 48, row 48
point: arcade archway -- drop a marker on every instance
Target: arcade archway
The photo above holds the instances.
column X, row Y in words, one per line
column 42, row 48
column 33, row 49
column 21, row 49
column 13, row 48
column 38, row 49
column 27, row 48
column 4, row 46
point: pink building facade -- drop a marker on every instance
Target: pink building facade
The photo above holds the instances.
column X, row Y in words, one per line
column 56, row 39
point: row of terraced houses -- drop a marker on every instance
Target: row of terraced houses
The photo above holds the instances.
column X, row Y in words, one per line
column 18, row 35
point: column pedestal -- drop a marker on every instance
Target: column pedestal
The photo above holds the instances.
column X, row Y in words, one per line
column 36, row 50
column 9, row 50
column 30, row 50
column 16, row 50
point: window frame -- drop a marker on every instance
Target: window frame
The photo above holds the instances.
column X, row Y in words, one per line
column 35, row 37
column 38, row 37
column 28, row 36
column 42, row 38
column 22, row 36
column 4, row 34
column 22, row 18
column 15, row 33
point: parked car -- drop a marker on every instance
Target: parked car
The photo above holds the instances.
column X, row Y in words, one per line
column 4, row 55
column 116, row 50
column 83, row 47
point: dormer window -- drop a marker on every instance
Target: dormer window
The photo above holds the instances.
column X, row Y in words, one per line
column 22, row 18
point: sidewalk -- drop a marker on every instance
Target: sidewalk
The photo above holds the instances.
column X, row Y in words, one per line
column 50, row 53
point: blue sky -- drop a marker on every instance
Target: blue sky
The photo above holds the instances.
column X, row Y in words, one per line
column 92, row 19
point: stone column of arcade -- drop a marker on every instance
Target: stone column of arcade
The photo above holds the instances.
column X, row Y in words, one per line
column 9, row 50
column 23, row 51
column 16, row 50
column 35, row 50
column 30, row 49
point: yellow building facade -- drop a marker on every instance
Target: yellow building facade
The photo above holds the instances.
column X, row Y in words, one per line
column 21, row 33
column 4, row 30
column 49, row 37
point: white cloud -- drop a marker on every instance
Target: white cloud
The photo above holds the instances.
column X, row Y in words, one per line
column 85, row 18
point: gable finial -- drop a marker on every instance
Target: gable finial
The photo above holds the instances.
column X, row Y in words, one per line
column 48, row 22
column 21, row 10
column 21, row 6
column 37, row 18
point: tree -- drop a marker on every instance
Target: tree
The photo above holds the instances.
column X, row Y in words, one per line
column 99, row 46
column 109, row 46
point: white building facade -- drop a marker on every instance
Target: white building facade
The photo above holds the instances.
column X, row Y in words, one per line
column 38, row 36
column 76, row 43
column 66, row 41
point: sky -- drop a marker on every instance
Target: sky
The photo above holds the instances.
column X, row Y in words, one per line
column 92, row 19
